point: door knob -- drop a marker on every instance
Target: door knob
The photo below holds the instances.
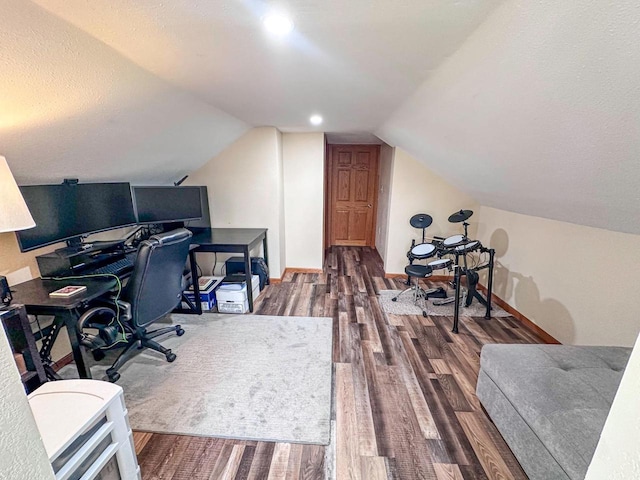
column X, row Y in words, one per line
column 369, row 206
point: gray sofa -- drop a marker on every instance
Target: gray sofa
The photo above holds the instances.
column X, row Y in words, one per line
column 550, row 402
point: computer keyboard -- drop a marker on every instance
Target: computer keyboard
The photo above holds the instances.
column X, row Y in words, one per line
column 116, row 268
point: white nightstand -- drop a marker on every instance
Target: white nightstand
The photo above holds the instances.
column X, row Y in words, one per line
column 85, row 430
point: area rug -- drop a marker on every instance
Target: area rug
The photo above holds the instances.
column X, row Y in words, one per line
column 405, row 306
column 236, row 376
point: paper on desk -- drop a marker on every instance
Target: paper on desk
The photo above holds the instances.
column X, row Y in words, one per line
column 19, row 276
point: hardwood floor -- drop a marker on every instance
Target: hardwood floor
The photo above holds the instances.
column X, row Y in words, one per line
column 404, row 405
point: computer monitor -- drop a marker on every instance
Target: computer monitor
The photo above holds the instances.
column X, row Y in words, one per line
column 167, row 204
column 67, row 211
column 205, row 221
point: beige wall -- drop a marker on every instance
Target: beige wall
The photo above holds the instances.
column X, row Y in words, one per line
column 384, row 198
column 245, row 190
column 303, row 162
column 415, row 189
column 12, row 261
column 279, row 188
column 577, row 283
column 617, row 456
column 22, row 453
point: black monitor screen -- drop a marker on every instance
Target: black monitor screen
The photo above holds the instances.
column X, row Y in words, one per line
column 65, row 211
column 167, row 204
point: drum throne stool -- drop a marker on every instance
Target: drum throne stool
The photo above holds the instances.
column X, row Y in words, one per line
column 416, row 272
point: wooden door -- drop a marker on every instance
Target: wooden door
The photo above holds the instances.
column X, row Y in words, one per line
column 352, row 185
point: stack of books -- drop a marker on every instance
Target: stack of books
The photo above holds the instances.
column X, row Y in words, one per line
column 68, row 291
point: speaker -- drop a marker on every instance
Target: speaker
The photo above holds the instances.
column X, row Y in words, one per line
column 235, row 265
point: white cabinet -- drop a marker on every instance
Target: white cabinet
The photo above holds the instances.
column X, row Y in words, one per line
column 85, row 430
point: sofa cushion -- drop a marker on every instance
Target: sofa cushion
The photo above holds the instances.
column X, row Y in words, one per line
column 563, row 393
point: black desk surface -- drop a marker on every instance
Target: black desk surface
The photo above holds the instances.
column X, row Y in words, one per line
column 34, row 294
column 227, row 236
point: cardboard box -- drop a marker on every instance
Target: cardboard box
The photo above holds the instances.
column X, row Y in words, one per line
column 207, row 296
column 234, row 307
column 232, row 297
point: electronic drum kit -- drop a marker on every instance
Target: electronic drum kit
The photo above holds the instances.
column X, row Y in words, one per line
column 456, row 248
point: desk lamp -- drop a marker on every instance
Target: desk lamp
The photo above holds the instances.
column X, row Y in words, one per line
column 14, row 216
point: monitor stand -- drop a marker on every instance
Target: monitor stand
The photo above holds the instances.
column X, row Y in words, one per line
column 167, row 227
column 143, row 232
column 76, row 244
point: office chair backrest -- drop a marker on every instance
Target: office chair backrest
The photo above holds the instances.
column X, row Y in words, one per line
column 155, row 286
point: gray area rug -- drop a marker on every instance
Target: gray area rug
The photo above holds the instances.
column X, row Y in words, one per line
column 251, row 377
column 405, row 306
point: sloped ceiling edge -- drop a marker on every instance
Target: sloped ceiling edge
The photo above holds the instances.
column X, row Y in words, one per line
column 74, row 108
column 537, row 113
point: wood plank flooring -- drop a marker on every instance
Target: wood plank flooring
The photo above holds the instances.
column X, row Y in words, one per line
column 404, row 393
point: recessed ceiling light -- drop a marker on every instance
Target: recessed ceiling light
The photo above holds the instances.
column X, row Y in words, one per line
column 315, row 119
column 278, row 24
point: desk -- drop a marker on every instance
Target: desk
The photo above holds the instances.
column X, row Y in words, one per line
column 21, row 340
column 34, row 295
column 228, row 240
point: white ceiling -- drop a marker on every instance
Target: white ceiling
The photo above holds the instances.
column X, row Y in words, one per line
column 351, row 61
column 352, row 138
column 71, row 107
column 538, row 113
column 527, row 106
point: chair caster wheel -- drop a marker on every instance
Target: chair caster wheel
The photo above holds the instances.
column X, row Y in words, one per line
column 97, row 355
column 394, row 299
column 171, row 357
column 113, row 376
column 179, row 331
column 424, row 314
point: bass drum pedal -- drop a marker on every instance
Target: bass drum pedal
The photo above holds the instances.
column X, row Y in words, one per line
column 437, row 293
column 444, row 301
column 448, row 300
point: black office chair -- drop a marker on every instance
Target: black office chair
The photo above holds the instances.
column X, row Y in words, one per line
column 153, row 290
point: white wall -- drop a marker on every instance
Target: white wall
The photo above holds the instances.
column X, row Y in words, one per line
column 416, row 189
column 22, row 453
column 245, row 190
column 303, row 162
column 617, row 456
column 577, row 283
column 384, row 198
column 279, row 188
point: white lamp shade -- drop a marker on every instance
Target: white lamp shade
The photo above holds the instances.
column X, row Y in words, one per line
column 14, row 214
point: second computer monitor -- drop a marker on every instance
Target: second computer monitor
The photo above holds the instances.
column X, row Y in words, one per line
column 167, row 204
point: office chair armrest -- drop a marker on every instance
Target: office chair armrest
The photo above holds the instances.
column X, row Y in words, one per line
column 125, row 309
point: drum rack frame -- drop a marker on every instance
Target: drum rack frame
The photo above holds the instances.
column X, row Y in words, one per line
column 460, row 271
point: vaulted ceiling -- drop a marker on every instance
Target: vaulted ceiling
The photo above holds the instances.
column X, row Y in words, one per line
column 527, row 106
column 538, row 113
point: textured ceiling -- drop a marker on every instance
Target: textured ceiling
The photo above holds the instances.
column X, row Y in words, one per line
column 72, row 107
column 529, row 106
column 538, row 113
column 351, row 61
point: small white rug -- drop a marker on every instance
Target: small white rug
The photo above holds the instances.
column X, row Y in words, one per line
column 405, row 306
column 236, row 376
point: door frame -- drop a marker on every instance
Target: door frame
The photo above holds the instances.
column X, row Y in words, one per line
column 328, row 184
